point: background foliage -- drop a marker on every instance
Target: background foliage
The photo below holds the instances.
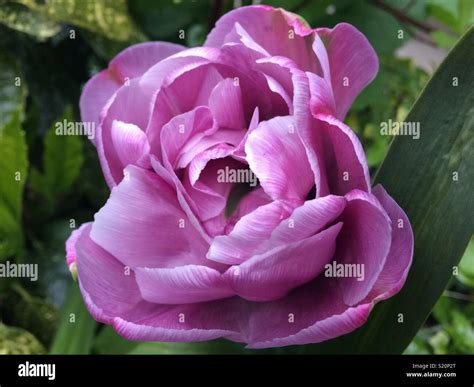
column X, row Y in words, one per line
column 48, row 50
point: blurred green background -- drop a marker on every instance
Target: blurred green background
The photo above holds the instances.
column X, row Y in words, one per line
column 49, row 49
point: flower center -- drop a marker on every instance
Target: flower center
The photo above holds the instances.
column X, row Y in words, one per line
column 243, row 181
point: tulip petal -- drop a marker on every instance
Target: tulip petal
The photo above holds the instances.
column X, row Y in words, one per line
column 276, row 155
column 180, row 129
column 188, row 86
column 142, row 224
column 266, row 30
column 130, row 143
column 305, row 221
column 126, row 106
column 226, row 106
column 135, row 60
column 113, row 297
column 342, row 155
column 399, row 259
column 311, row 314
column 182, row 285
column 352, row 63
column 130, row 63
column 71, row 244
column 272, row 275
column 97, row 91
column 249, row 232
column 365, row 241
column 334, row 152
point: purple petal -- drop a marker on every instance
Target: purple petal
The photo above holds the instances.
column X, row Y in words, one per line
column 142, row 224
column 341, row 155
column 334, row 152
column 97, row 91
column 225, row 103
column 177, row 85
column 129, row 106
column 238, row 62
column 272, row 275
column 399, row 259
column 180, row 129
column 364, row 240
column 251, row 26
column 130, row 63
column 202, row 184
column 277, row 71
column 182, row 285
column 310, row 314
column 135, row 60
column 113, row 297
column 130, row 143
column 352, row 62
column 249, row 232
column 277, row 156
column 71, row 244
column 305, row 221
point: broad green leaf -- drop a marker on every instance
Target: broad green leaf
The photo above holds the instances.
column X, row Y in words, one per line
column 17, row 341
column 62, row 160
column 13, row 165
column 432, row 179
column 466, row 266
column 107, row 17
column 76, row 327
column 20, row 18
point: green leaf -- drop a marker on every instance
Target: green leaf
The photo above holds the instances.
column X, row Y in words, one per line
column 13, row 165
column 12, row 89
column 62, row 160
column 34, row 314
column 107, row 17
column 76, row 328
column 462, row 332
column 109, row 342
column 166, row 20
column 442, row 39
column 20, row 18
column 439, row 341
column 196, row 35
column 17, row 341
column 421, row 177
column 216, row 347
column 466, row 266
